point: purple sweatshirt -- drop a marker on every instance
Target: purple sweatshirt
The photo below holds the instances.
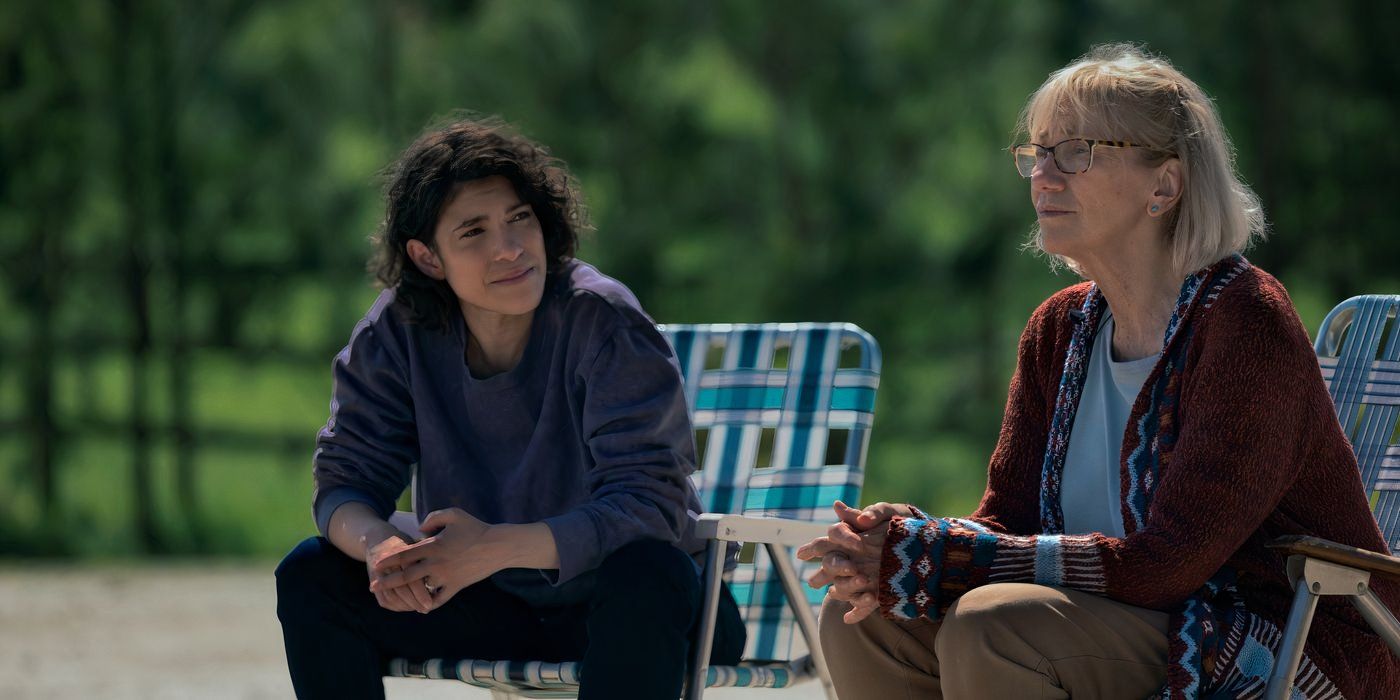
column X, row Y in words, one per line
column 588, row 433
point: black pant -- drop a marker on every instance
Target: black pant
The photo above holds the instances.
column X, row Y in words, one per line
column 633, row 636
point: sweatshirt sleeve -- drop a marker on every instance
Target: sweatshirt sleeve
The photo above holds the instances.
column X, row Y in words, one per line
column 1246, row 406
column 637, row 430
column 366, row 449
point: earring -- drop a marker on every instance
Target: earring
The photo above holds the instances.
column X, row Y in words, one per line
column 1154, row 208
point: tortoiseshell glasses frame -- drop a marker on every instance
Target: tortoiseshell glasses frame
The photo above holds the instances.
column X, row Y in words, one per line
column 1071, row 156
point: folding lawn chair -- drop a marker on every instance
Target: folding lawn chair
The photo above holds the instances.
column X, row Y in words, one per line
column 782, row 415
column 1358, row 348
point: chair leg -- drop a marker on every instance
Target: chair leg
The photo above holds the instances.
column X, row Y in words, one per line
column 797, row 600
column 713, row 579
column 1379, row 618
column 1291, row 650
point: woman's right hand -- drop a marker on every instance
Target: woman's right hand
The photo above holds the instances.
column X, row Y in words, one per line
column 850, row 561
column 850, row 555
column 359, row 532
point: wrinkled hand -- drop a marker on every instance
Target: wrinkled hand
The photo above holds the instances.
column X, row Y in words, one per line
column 441, row 564
column 850, row 556
column 876, row 515
column 403, row 598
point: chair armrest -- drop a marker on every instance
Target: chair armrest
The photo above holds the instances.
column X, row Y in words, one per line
column 1335, row 553
column 742, row 528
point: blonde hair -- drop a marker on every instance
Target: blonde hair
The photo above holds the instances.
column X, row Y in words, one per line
column 1137, row 97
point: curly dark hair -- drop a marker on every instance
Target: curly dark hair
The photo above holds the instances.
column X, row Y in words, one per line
column 424, row 176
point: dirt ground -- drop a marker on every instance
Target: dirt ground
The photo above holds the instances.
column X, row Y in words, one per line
column 171, row 631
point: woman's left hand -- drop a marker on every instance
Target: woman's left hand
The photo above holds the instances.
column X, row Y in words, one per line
column 850, row 564
column 445, row 562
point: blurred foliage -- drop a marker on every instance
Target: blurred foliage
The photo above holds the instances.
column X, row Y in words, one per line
column 188, row 189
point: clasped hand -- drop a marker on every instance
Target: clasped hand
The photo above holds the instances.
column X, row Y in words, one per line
column 850, row 555
column 422, row 575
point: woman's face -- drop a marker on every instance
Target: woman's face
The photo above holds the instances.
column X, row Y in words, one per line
column 489, row 249
column 1093, row 213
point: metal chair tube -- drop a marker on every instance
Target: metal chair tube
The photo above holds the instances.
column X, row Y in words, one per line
column 797, row 600
column 713, row 578
column 1379, row 618
column 1291, row 650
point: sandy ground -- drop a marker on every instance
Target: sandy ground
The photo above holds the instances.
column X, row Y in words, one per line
column 196, row 631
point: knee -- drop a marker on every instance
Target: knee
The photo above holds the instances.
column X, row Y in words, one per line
column 651, row 572
column 835, row 634
column 307, row 569
column 876, row 647
column 651, row 565
column 997, row 609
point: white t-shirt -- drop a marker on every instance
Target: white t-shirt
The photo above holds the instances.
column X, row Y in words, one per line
column 1089, row 488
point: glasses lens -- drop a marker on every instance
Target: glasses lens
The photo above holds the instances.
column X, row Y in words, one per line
column 1073, row 156
column 1025, row 159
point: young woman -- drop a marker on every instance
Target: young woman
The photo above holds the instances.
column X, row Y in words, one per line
column 546, row 419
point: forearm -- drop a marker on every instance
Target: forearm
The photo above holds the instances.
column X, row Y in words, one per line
column 927, row 564
column 529, row 546
column 942, row 558
column 355, row 527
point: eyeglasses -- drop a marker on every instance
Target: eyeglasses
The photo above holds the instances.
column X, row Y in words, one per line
column 1072, row 156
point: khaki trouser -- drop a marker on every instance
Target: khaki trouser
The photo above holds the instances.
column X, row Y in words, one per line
column 1004, row 641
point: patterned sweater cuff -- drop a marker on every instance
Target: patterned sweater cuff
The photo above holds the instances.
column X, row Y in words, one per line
column 927, row 564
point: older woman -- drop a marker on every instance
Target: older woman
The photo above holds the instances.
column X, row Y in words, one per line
column 1166, row 420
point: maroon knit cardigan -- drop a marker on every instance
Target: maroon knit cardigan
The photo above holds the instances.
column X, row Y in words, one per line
column 1258, row 453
